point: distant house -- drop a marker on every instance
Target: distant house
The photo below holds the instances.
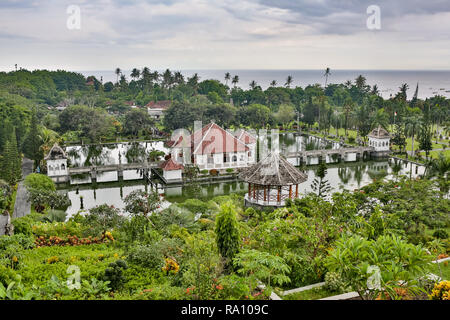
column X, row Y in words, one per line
column 212, row 147
column 156, row 109
column 131, row 104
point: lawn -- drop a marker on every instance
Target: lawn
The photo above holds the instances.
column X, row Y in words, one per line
column 444, row 268
column 311, row 294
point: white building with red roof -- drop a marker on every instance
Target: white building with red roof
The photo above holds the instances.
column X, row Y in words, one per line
column 213, row 147
column 172, row 170
column 156, row 109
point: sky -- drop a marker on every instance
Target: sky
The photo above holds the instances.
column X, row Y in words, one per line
column 224, row 34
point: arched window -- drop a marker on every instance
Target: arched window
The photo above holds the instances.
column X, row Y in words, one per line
column 234, row 158
column 63, row 167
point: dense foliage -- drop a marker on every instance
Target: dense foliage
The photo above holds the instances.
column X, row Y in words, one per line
column 369, row 240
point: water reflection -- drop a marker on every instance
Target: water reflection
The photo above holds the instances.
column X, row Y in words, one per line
column 110, row 154
column 348, row 176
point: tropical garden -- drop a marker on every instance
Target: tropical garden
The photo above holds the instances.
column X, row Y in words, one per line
column 379, row 241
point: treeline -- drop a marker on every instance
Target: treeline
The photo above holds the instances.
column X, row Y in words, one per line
column 97, row 111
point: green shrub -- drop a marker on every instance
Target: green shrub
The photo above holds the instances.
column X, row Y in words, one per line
column 334, row 283
column 146, row 256
column 55, row 216
column 205, row 171
column 23, row 225
column 23, row 241
column 195, row 206
column 230, row 170
column 114, row 274
column 58, row 229
column 40, row 182
column 440, row 234
column 234, row 287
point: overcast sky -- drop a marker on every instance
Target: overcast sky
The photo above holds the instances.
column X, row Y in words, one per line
column 224, row 34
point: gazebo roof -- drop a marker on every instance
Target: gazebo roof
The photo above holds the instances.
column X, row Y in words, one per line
column 379, row 133
column 274, row 170
column 56, row 152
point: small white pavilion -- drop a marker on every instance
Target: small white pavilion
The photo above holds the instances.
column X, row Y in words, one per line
column 56, row 160
column 379, row 139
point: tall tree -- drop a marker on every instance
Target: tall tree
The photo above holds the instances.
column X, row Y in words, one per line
column 227, row 78
column 326, row 75
column 412, row 126
column 135, row 74
column 320, row 185
column 235, row 80
column 118, row 73
column 32, row 143
column 11, row 162
column 289, row 81
column 227, row 233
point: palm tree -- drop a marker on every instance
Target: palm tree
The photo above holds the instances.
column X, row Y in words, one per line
column 178, row 77
column 253, row 84
column 235, row 80
column 360, row 82
column 273, row 84
column 118, row 72
column 402, row 93
column 289, row 81
column 135, row 73
column 167, row 78
column 227, row 78
column 375, row 90
column 327, row 73
column 193, row 82
column 412, row 126
column 348, row 84
column 348, row 107
column 439, row 168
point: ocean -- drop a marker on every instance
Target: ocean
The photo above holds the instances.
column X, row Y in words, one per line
column 431, row 83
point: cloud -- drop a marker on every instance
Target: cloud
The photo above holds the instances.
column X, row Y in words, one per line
column 225, row 33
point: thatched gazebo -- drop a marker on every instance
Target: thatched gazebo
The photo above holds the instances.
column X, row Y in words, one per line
column 271, row 181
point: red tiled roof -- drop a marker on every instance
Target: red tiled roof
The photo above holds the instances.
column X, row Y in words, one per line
column 211, row 139
column 170, row 165
column 245, row 137
column 159, row 105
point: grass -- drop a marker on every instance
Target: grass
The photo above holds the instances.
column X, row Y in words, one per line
column 91, row 259
column 311, row 294
column 444, row 268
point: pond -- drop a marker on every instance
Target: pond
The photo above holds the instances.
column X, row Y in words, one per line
column 340, row 176
column 135, row 152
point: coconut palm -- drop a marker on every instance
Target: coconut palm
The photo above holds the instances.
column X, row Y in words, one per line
column 178, row 77
column 326, row 75
column 253, row 84
column 135, row 73
column 375, row 90
column 348, row 108
column 118, row 72
column 360, row 82
column 235, row 80
column 227, row 78
column 273, row 84
column 412, row 126
column 289, row 81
